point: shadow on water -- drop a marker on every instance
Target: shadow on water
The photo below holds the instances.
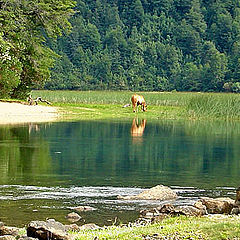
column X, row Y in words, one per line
column 46, row 169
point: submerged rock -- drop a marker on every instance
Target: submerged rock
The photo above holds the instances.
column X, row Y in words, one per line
column 158, row 192
column 49, row 230
column 84, row 208
column 73, row 217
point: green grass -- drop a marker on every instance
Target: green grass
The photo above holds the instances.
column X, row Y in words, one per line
column 161, row 105
column 113, row 97
column 109, row 111
column 225, row 106
column 172, row 228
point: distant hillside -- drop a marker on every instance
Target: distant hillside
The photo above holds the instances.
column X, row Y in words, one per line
column 150, row 45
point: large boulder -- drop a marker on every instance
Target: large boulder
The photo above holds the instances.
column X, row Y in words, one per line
column 161, row 212
column 188, row 211
column 236, row 208
column 158, row 192
column 218, row 205
column 49, row 230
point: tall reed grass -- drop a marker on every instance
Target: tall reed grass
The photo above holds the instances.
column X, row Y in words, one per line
column 195, row 105
column 113, row 97
column 225, row 106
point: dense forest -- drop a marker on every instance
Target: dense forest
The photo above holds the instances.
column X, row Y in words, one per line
column 150, row 45
column 138, row 45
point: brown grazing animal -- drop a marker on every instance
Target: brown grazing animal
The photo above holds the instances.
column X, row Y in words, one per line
column 138, row 100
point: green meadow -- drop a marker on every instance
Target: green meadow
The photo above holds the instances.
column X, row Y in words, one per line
column 161, row 105
column 171, row 228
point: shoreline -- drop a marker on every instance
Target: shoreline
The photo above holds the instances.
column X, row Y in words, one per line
column 16, row 113
column 178, row 227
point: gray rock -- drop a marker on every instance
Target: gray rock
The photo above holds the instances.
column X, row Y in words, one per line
column 161, row 212
column 84, row 208
column 73, row 217
column 199, row 205
column 237, row 200
column 89, row 226
column 14, row 231
column 235, row 210
column 158, row 192
column 166, row 209
column 49, row 230
column 218, row 205
column 7, row 237
column 26, row 238
column 72, row 227
column 188, row 211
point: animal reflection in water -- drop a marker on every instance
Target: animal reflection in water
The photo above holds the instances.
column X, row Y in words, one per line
column 137, row 129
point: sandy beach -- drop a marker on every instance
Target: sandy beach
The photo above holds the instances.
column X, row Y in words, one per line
column 12, row 113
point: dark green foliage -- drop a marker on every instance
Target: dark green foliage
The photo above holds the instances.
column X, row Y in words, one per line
column 25, row 60
column 138, row 45
column 151, row 45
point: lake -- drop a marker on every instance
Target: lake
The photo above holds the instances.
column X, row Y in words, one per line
column 48, row 169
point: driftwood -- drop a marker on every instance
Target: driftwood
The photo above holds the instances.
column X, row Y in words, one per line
column 32, row 101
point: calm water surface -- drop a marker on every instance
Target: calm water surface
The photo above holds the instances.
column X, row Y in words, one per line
column 48, row 169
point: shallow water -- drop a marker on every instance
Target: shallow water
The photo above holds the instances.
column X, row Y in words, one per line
column 48, row 169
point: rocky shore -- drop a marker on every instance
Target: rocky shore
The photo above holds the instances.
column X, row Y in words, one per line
column 53, row 230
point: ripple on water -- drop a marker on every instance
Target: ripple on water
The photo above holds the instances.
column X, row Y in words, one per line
column 104, row 196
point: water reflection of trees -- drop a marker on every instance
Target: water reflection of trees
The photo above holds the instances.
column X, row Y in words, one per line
column 22, row 156
column 170, row 152
column 98, row 153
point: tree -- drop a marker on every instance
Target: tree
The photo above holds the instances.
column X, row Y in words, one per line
column 222, row 33
column 24, row 27
column 136, row 16
column 188, row 39
column 214, row 68
column 10, row 68
column 196, row 19
column 189, row 78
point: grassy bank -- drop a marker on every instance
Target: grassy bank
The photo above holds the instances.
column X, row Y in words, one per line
column 221, row 227
column 167, row 105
